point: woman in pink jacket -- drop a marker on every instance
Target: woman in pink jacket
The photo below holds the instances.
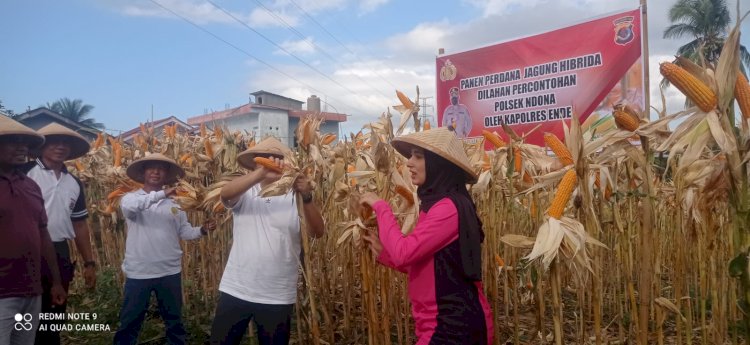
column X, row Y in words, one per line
column 442, row 256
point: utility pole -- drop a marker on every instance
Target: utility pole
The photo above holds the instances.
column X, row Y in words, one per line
column 424, row 114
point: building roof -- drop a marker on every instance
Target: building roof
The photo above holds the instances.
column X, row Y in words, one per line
column 335, row 117
column 43, row 111
column 155, row 124
column 263, row 92
column 248, row 108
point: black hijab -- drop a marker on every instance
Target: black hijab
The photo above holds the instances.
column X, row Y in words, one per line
column 445, row 179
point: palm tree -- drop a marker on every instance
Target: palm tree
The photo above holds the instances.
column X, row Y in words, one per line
column 707, row 23
column 75, row 110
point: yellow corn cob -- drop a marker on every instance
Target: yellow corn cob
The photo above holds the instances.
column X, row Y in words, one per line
column 251, row 143
column 564, row 190
column 692, row 87
column 219, row 133
column 99, row 141
column 79, row 165
column 499, row 261
column 517, row 159
column 203, row 130
column 404, row 100
column 268, row 163
column 626, row 118
column 184, row 158
column 209, row 148
column 328, row 138
column 493, row 138
column 405, row 193
column 742, row 94
column 426, row 125
column 560, row 150
column 598, row 184
column 117, row 154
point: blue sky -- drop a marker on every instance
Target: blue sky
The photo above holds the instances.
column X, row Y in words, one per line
column 125, row 56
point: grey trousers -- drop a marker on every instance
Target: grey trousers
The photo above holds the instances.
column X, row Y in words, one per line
column 19, row 318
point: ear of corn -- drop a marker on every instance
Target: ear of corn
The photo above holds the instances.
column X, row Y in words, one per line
column 517, row 160
column 692, row 87
column 493, row 138
column 564, row 190
column 404, row 100
column 742, row 94
column 204, row 132
column 79, row 165
column 426, row 125
column 405, row 193
column 328, row 138
column 560, row 150
column 209, row 148
column 268, row 163
column 625, row 118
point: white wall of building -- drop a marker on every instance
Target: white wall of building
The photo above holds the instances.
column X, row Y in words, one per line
column 275, row 123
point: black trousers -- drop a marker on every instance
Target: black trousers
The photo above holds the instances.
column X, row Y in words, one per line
column 51, row 336
column 233, row 315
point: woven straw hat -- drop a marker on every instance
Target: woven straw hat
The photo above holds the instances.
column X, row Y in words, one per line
column 135, row 170
column 267, row 146
column 79, row 146
column 441, row 142
column 9, row 127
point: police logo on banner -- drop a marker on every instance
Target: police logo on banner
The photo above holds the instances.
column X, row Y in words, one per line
column 624, row 30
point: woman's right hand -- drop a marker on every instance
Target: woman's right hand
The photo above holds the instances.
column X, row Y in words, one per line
column 373, row 241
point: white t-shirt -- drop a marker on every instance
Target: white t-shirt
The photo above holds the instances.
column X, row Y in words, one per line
column 263, row 263
column 155, row 226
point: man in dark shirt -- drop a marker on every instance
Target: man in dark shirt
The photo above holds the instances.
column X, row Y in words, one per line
column 24, row 239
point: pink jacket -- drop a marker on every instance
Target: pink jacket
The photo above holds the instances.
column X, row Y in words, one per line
column 446, row 307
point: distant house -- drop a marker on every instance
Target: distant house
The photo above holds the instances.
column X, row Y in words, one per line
column 158, row 126
column 271, row 114
column 40, row 117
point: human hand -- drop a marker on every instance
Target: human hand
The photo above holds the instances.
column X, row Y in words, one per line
column 373, row 241
column 58, row 294
column 89, row 276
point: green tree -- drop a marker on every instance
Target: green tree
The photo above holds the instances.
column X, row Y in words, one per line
column 707, row 23
column 76, row 111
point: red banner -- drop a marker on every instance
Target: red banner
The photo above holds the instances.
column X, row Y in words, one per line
column 542, row 80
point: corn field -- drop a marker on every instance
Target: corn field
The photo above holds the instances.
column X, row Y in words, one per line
column 629, row 233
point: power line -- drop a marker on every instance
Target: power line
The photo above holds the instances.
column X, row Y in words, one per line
column 339, row 42
column 315, row 46
column 286, row 51
column 247, row 53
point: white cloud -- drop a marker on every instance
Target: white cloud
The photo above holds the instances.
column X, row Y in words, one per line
column 299, row 47
column 260, row 17
column 367, row 6
column 199, row 12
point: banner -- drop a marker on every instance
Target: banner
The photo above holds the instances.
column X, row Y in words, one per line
column 540, row 81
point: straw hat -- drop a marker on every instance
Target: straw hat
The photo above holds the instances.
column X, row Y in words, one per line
column 10, row 127
column 79, row 146
column 267, row 146
column 439, row 141
column 135, row 170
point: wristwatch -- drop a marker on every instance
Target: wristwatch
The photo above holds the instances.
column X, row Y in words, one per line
column 88, row 264
column 307, row 198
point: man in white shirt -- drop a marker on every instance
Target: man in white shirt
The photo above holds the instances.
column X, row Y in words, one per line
column 260, row 279
column 153, row 256
column 65, row 203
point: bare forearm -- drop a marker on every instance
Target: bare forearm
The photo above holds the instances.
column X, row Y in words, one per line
column 83, row 240
column 315, row 224
column 235, row 188
column 50, row 257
